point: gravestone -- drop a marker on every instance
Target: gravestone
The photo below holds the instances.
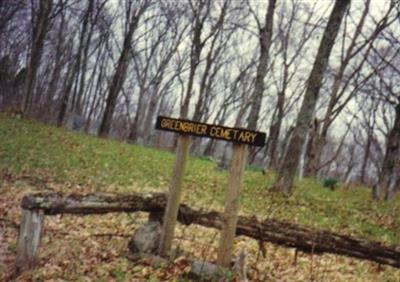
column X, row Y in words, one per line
column 76, row 122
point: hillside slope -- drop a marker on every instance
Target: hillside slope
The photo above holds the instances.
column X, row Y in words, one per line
column 34, row 156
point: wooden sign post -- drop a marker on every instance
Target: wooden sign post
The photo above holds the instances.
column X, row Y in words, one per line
column 241, row 138
column 175, row 191
column 231, row 210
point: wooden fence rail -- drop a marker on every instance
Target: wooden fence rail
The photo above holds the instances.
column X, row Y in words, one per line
column 36, row 206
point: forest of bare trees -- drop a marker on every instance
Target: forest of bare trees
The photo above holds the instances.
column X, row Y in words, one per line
column 321, row 80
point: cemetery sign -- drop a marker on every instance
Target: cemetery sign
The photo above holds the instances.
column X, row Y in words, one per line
column 241, row 138
column 199, row 129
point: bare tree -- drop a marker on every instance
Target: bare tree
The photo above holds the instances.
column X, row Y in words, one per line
column 292, row 50
column 40, row 26
column 152, row 63
column 7, row 13
column 265, row 41
column 122, row 66
column 201, row 12
column 288, row 168
column 352, row 59
column 389, row 178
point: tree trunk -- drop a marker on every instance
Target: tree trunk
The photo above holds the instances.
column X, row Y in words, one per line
column 65, row 96
column 74, row 75
column 367, row 152
column 314, row 149
column 39, row 34
column 390, row 172
column 90, row 108
column 58, row 65
column 337, row 101
column 210, row 148
column 120, row 73
column 136, row 124
column 76, row 105
column 265, row 44
column 148, row 121
column 350, row 166
column 196, row 48
column 289, row 165
column 274, row 132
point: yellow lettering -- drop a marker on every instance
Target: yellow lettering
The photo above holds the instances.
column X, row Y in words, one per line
column 219, row 132
column 235, row 132
column 164, row 123
column 213, row 131
column 170, row 124
column 181, row 125
column 175, row 125
column 202, row 129
column 248, row 134
column 227, row 134
column 241, row 136
column 186, row 126
column 253, row 136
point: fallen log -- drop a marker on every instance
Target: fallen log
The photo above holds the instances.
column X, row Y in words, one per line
column 278, row 232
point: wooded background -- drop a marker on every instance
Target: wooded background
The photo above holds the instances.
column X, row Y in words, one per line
column 321, row 78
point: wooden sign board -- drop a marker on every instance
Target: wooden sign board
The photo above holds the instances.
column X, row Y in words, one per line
column 199, row 129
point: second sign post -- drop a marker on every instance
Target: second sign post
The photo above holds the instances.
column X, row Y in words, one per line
column 231, row 210
column 241, row 139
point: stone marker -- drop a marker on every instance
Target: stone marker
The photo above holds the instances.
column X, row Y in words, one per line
column 146, row 238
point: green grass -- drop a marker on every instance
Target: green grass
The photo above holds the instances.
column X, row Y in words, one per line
column 68, row 158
